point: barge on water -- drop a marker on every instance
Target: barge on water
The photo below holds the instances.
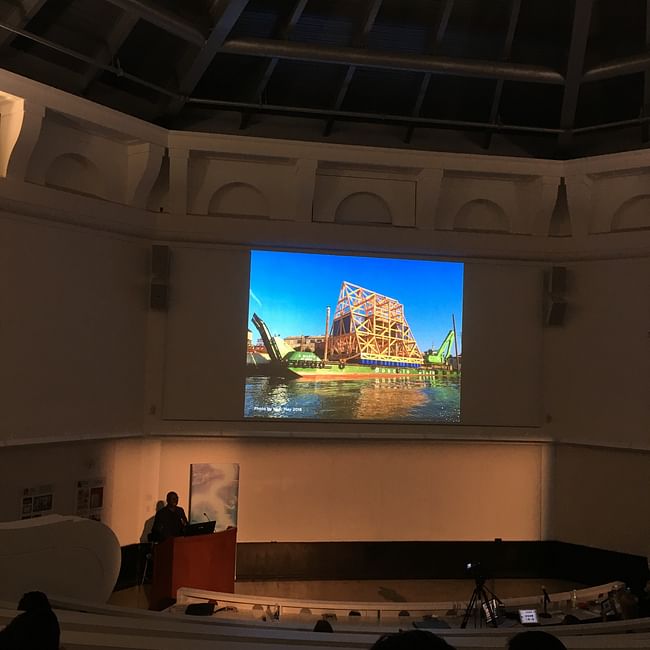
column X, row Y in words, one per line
column 369, row 339
column 307, row 365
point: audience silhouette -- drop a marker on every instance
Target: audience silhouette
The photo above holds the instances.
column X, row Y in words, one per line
column 37, row 628
column 411, row 640
column 323, row 626
column 535, row 640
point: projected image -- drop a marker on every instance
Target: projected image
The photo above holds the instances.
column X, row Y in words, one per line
column 335, row 337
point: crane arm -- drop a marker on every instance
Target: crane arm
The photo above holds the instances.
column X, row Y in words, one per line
column 269, row 342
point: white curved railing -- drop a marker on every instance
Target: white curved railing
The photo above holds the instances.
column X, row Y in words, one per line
column 252, row 607
column 63, row 555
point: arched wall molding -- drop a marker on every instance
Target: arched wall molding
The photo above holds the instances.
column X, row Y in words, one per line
column 275, row 181
column 393, row 197
column 109, row 157
column 363, row 207
column 633, row 214
column 75, row 173
column 460, row 190
column 239, row 199
column 609, row 193
column 481, row 215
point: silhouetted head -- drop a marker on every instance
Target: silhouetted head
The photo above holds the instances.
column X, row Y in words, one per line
column 570, row 619
column 411, row 640
column 33, row 600
column 172, row 499
column 535, row 640
column 323, row 626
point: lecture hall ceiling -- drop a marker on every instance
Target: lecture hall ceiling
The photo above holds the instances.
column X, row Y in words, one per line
column 544, row 78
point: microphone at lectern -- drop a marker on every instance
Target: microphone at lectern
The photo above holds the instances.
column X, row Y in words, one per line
column 206, row 517
column 547, row 600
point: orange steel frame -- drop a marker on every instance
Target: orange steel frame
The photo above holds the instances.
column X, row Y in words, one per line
column 371, row 326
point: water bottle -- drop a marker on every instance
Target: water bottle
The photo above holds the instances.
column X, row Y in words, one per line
column 574, row 599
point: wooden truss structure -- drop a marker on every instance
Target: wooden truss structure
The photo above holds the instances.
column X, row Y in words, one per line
column 370, row 328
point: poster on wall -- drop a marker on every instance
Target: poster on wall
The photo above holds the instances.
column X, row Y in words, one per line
column 344, row 337
column 90, row 499
column 37, row 501
column 214, row 493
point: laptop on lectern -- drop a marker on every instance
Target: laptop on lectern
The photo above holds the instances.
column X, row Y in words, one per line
column 202, row 528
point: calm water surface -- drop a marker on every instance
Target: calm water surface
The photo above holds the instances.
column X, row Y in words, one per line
column 426, row 400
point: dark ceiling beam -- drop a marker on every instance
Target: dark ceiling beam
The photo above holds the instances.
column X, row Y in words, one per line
column 645, row 109
column 364, row 116
column 610, row 126
column 443, row 23
column 282, row 31
column 118, row 72
column 340, row 98
column 265, row 77
column 360, row 39
column 18, row 16
column 227, row 14
column 515, row 10
column 164, row 19
column 108, row 49
column 419, row 101
column 29, row 65
column 441, row 30
column 575, row 68
column 393, row 60
column 618, row 67
column 370, row 15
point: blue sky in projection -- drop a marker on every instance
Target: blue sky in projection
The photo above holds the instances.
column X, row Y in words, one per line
column 291, row 291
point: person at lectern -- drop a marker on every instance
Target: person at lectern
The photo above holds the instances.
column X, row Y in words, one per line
column 169, row 521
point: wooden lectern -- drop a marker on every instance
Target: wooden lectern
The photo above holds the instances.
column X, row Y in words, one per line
column 202, row 562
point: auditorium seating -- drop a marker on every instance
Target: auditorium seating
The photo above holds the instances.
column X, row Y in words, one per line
column 95, row 626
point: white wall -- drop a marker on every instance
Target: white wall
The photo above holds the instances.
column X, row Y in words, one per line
column 205, row 341
column 72, row 331
column 345, row 490
column 298, row 490
column 599, row 498
column 597, row 385
column 58, row 466
column 597, row 366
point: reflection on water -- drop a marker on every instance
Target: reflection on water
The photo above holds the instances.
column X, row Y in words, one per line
column 388, row 401
column 425, row 400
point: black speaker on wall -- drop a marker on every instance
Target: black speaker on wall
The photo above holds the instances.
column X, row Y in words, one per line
column 555, row 303
column 160, row 260
column 556, row 313
column 557, row 280
column 158, row 296
column 159, row 287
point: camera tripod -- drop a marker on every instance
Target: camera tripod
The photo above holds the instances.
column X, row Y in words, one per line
column 482, row 596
